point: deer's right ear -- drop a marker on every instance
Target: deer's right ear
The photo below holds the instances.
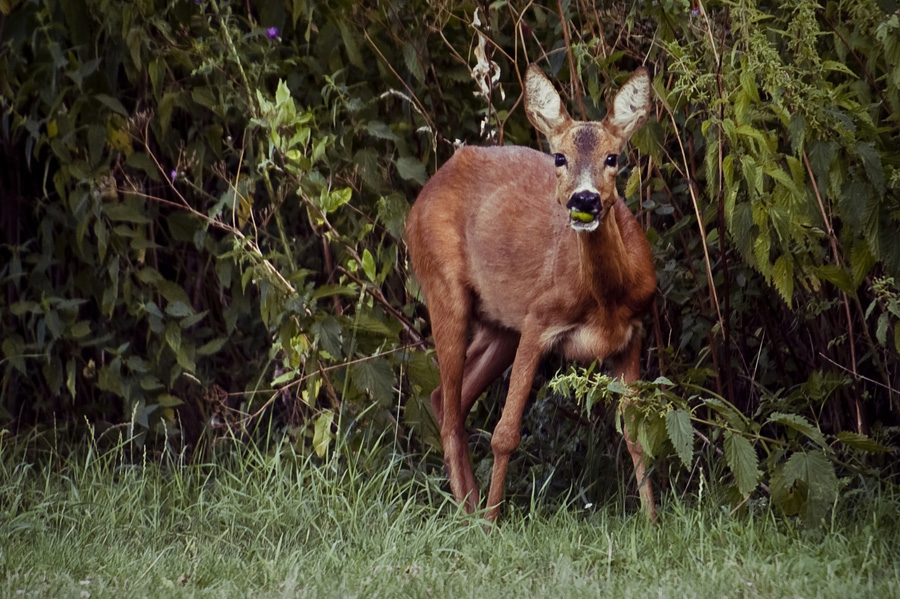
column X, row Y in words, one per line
column 543, row 106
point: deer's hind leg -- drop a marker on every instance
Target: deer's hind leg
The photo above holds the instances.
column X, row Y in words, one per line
column 450, row 307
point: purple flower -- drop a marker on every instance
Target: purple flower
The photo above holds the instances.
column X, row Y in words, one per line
column 272, row 32
column 172, row 174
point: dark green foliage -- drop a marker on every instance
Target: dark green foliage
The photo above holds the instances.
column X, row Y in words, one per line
column 203, row 210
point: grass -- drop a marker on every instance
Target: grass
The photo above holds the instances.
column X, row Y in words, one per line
column 273, row 525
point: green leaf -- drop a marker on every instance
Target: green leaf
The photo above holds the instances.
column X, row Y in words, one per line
column 327, row 333
column 835, row 275
column 678, row 426
column 126, row 212
column 112, row 103
column 173, row 336
column 800, row 424
column 368, row 265
column 322, row 434
column 816, row 473
column 140, row 160
column 329, row 290
column 862, row 442
column 178, row 309
column 882, row 328
column 374, row 376
column 285, row 377
column 651, row 433
column 783, row 277
column 212, row 347
column 872, row 164
column 743, row 462
column 330, row 202
column 411, row 58
column 13, row 347
column 70, row 376
column 168, row 401
column 381, row 130
column 833, row 65
column 350, row 46
column 80, row 329
column 634, row 183
column 412, row 169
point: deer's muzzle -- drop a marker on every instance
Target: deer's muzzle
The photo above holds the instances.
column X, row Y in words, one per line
column 584, row 210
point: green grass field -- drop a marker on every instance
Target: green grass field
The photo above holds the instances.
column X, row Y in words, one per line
column 272, row 526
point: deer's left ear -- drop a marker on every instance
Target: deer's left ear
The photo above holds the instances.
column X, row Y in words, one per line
column 631, row 105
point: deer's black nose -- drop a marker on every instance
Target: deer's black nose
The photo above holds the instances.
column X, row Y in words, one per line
column 584, row 201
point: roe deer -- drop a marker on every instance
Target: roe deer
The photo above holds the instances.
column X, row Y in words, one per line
column 520, row 253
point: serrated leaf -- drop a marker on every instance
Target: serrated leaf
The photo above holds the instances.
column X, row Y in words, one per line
column 375, row 377
column 381, row 130
column 800, row 424
column 178, row 309
column 350, row 46
column 783, row 277
column 364, row 321
column 882, row 328
column 833, row 65
column 411, row 58
column 322, row 434
column 816, row 472
column 412, row 169
column 678, row 426
column 634, row 183
column 185, row 359
column 743, row 462
column 861, row 261
column 872, row 164
column 862, row 442
column 327, row 333
column 651, row 433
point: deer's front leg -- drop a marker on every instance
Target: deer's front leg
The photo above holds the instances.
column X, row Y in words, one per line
column 508, row 431
column 627, row 366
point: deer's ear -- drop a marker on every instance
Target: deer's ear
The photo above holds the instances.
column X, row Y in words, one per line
column 543, row 106
column 631, row 105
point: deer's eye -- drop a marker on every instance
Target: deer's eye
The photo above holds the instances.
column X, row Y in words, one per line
column 612, row 160
column 560, row 160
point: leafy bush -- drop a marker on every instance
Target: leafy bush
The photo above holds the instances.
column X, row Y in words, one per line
column 204, row 204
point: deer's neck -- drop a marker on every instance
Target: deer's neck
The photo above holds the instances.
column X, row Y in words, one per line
column 609, row 271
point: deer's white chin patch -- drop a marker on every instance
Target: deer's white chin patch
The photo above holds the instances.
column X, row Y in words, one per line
column 585, row 227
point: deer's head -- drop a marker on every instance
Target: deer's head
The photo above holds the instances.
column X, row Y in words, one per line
column 586, row 152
